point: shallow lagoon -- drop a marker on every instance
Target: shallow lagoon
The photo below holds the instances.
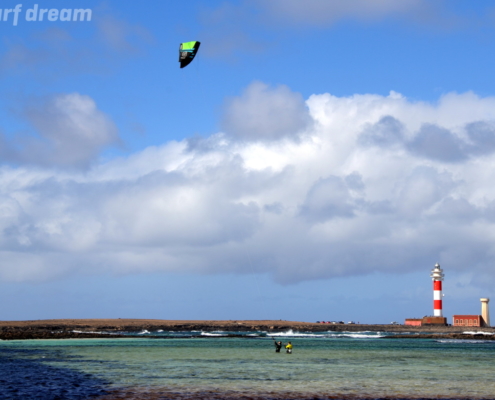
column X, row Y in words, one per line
column 321, row 366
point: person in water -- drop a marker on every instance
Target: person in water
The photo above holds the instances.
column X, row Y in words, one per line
column 289, row 348
column 278, row 346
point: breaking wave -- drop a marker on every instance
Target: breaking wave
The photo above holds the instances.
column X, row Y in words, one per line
column 330, row 334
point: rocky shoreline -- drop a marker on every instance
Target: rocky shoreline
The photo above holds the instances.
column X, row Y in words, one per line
column 113, row 328
column 443, row 336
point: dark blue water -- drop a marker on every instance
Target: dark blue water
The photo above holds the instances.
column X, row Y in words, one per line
column 24, row 375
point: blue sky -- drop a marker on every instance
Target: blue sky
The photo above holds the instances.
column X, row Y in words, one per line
column 313, row 163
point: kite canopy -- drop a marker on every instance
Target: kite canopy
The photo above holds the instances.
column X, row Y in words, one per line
column 187, row 52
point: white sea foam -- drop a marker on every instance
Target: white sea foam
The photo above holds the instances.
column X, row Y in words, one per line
column 212, row 334
column 358, row 332
column 291, row 333
column 478, row 333
column 358, row 335
column 461, row 341
column 143, row 332
column 330, row 334
column 160, row 330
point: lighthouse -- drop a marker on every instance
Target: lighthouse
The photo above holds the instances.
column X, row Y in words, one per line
column 437, row 319
column 437, row 277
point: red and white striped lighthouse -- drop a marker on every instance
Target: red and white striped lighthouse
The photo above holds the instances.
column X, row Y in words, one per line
column 437, row 276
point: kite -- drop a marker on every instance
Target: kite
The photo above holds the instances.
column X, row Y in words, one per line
column 187, row 52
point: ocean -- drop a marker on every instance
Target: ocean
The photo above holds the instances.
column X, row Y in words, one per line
column 244, row 365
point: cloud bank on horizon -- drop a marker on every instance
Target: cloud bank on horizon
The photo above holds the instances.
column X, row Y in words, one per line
column 298, row 189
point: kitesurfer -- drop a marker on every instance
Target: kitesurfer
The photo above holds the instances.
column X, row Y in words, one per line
column 289, row 348
column 278, row 346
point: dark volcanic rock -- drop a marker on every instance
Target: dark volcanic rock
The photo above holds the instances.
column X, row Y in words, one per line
column 16, row 334
column 112, row 328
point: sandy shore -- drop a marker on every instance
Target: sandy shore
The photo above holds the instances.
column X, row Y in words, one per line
column 82, row 328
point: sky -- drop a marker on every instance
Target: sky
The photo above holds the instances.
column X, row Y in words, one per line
column 314, row 161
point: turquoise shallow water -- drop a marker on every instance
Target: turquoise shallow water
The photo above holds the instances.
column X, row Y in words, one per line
column 321, row 366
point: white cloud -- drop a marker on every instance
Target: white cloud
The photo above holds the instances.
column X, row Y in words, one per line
column 328, row 198
column 370, row 184
column 264, row 113
column 71, row 131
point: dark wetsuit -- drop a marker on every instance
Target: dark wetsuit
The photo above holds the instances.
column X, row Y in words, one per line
column 278, row 346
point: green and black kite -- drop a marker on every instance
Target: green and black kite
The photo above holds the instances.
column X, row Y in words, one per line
column 187, row 52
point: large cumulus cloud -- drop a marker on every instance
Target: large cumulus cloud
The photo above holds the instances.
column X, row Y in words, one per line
column 365, row 183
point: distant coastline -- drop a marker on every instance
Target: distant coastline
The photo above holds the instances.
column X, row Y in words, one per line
column 93, row 328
